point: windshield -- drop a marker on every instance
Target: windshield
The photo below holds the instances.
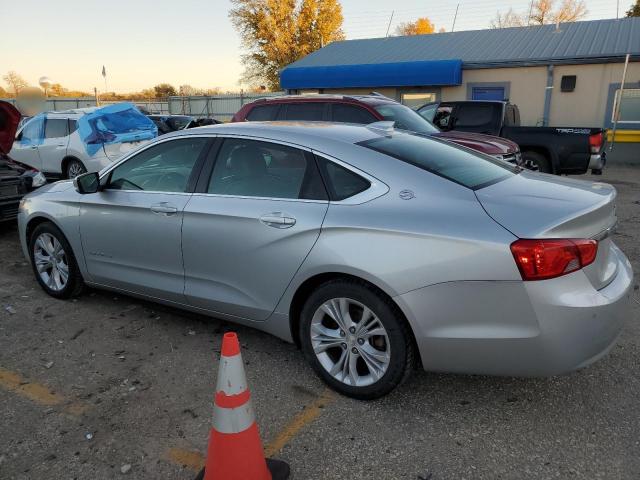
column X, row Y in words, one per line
column 405, row 118
column 458, row 164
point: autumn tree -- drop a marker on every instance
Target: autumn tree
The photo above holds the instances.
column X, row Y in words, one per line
column 15, row 82
column 276, row 33
column 421, row 26
column 3, row 93
column 164, row 90
column 543, row 12
column 57, row 90
column 634, row 11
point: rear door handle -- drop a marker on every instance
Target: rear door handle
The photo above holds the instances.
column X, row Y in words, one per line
column 278, row 220
column 164, row 208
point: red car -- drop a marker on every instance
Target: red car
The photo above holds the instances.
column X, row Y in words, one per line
column 365, row 109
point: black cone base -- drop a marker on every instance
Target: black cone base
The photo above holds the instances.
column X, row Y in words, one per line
column 279, row 470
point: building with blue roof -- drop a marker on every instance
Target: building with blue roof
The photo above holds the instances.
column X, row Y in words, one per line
column 561, row 75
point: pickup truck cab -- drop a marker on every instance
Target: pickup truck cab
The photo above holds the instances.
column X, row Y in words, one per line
column 559, row 150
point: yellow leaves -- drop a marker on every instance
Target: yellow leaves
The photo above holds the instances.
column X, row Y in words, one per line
column 422, row 26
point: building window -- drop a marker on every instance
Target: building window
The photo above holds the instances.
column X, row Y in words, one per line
column 488, row 90
column 415, row 100
column 629, row 108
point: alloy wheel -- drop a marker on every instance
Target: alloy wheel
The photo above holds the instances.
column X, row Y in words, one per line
column 350, row 342
column 51, row 262
column 75, row 169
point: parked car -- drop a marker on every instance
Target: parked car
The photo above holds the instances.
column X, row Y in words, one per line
column 559, row 150
column 66, row 144
column 366, row 109
column 371, row 249
column 15, row 179
column 172, row 123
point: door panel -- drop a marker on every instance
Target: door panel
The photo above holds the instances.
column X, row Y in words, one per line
column 238, row 260
column 54, row 146
column 251, row 226
column 132, row 240
column 25, row 148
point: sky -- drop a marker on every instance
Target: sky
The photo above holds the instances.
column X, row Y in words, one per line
column 142, row 42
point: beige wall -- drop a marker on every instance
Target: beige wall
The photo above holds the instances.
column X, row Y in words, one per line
column 527, row 88
column 586, row 105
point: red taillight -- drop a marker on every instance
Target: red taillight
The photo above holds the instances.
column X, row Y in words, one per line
column 595, row 142
column 550, row 258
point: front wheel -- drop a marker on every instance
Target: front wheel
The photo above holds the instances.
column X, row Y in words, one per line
column 53, row 262
column 74, row 169
column 356, row 339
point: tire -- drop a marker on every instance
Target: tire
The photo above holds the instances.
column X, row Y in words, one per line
column 74, row 168
column 47, row 238
column 536, row 162
column 394, row 349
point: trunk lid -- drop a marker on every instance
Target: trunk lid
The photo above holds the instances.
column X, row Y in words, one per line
column 533, row 205
column 9, row 120
column 483, row 143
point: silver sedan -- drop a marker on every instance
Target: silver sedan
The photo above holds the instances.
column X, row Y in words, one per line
column 374, row 250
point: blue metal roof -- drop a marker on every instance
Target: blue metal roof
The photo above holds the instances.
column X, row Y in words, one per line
column 598, row 40
column 397, row 74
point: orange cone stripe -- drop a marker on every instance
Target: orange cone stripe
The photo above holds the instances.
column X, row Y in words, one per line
column 232, row 401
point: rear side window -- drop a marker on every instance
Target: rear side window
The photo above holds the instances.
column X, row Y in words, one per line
column 263, row 113
column 55, row 128
column 474, row 114
column 251, row 168
column 454, row 163
column 341, row 182
column 312, row 111
column 342, row 112
column 73, row 126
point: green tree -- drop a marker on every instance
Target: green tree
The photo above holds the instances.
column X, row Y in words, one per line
column 276, row 33
column 634, row 11
column 422, row 26
column 164, row 90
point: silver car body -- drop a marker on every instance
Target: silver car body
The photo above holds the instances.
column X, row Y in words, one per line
column 440, row 250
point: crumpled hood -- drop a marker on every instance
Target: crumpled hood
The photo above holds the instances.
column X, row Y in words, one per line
column 537, row 205
column 9, row 120
column 478, row 141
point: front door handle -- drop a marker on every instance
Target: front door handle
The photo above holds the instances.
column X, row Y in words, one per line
column 278, row 220
column 164, row 208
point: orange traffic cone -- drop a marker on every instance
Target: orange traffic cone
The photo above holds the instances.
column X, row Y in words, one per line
column 235, row 449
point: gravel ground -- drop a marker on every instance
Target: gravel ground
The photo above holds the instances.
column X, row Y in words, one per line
column 91, row 385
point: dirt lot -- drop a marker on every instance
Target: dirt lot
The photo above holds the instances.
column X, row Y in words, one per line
column 105, row 384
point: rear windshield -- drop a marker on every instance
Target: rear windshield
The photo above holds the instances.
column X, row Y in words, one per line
column 405, row 118
column 460, row 165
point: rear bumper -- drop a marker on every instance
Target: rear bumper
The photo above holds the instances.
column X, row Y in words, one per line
column 518, row 328
column 597, row 162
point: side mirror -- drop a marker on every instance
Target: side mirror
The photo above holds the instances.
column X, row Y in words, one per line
column 87, row 183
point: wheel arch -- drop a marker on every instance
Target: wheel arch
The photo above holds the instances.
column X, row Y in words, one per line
column 65, row 162
column 306, row 287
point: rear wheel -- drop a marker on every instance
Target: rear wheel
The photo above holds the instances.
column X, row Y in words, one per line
column 53, row 262
column 74, row 168
column 356, row 339
column 536, row 162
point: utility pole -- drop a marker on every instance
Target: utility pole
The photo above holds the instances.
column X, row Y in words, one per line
column 455, row 18
column 390, row 20
column 618, row 9
column 530, row 11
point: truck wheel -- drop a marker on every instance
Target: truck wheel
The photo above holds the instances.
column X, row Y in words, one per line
column 536, row 162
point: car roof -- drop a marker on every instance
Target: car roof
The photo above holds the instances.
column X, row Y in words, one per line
column 370, row 99
column 313, row 135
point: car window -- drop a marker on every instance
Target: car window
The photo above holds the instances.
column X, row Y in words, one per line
column 342, row 112
column 253, row 168
column 73, row 126
column 165, row 167
column 474, row 114
column 33, row 131
column 311, row 111
column 263, row 113
column 341, row 182
column 460, row 165
column 428, row 111
column 405, row 118
column 55, row 128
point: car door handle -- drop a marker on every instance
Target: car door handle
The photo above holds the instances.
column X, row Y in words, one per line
column 164, row 208
column 33, row 147
column 62, row 144
column 278, row 220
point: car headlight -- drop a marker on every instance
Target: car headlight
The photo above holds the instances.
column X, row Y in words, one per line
column 38, row 180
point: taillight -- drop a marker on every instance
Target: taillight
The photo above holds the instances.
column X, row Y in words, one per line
column 595, row 142
column 549, row 258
